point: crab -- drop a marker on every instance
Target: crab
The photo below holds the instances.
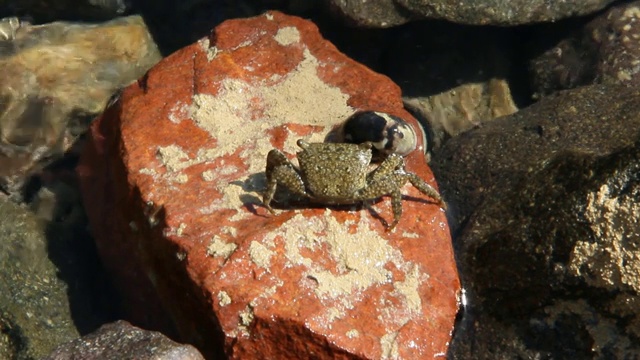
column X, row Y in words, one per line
column 338, row 174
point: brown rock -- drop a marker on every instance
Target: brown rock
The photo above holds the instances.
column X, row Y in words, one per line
column 172, row 179
column 462, row 108
column 616, row 33
column 55, row 79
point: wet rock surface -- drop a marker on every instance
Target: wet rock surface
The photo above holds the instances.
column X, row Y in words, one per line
column 50, row 275
column 546, row 236
column 529, row 261
column 55, row 78
column 195, row 133
column 388, row 13
column 121, row 340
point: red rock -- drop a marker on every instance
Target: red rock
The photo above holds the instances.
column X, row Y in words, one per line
column 172, row 179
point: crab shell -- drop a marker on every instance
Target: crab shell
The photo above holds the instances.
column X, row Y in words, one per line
column 337, row 171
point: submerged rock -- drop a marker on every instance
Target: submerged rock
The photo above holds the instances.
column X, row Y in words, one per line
column 47, row 284
column 56, row 77
column 455, row 82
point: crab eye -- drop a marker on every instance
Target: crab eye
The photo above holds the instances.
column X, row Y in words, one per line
column 387, row 133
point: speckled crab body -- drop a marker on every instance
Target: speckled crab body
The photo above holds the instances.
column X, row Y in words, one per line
column 333, row 173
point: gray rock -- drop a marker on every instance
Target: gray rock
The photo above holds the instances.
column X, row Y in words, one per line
column 499, row 12
column 55, row 79
column 597, row 119
column 386, row 13
column 378, row 14
column 605, row 50
column 548, row 238
column 120, row 340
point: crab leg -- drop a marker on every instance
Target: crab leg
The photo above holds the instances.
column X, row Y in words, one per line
column 425, row 188
column 396, row 207
column 281, row 171
column 386, row 168
column 394, row 166
column 388, row 179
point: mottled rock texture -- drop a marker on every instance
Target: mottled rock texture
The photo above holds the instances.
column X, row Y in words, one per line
column 55, row 78
column 558, row 275
column 606, row 50
column 545, row 203
column 385, row 13
column 121, row 340
column 172, row 180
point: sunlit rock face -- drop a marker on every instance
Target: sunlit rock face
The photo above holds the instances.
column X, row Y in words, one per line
column 173, row 177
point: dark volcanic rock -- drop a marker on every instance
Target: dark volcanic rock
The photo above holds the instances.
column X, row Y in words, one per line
column 552, row 263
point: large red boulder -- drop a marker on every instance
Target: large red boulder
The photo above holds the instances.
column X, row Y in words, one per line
column 172, row 180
